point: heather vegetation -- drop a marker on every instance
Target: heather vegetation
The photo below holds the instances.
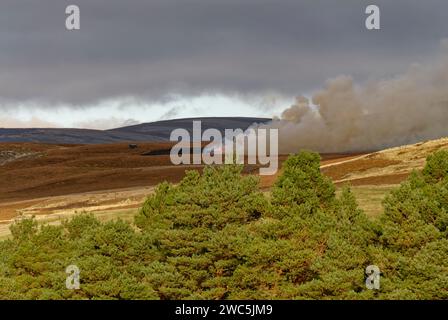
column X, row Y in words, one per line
column 217, row 236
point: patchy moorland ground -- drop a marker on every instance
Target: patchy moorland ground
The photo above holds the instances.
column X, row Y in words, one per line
column 112, row 180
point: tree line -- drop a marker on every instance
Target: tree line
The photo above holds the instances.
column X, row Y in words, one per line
column 216, row 235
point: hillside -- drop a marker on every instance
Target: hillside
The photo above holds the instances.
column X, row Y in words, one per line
column 113, row 179
column 158, row 131
column 389, row 166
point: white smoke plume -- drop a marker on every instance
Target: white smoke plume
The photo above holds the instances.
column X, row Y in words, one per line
column 345, row 117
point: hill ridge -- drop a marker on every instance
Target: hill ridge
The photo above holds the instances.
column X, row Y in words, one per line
column 158, row 131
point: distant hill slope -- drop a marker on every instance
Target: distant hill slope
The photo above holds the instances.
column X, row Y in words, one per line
column 154, row 131
column 389, row 166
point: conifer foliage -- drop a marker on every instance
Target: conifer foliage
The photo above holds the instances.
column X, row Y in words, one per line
column 216, row 235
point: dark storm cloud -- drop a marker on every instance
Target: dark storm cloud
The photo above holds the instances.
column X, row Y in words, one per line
column 153, row 48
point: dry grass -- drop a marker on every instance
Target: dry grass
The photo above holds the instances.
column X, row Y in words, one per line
column 353, row 169
column 106, row 205
column 370, row 197
column 111, row 180
column 390, row 166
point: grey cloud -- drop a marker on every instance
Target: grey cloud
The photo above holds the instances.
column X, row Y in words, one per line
column 150, row 49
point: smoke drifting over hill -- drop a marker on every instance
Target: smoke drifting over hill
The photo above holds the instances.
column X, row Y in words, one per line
column 346, row 117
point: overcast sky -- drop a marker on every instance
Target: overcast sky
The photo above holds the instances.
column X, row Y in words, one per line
column 137, row 61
